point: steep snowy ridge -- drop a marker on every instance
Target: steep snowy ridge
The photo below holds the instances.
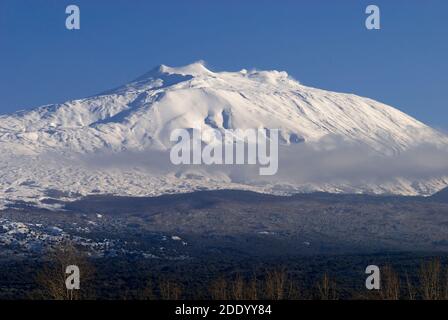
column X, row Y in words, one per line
column 140, row 116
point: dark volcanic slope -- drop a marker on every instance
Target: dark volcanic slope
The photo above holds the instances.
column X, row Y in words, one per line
column 322, row 223
column 441, row 195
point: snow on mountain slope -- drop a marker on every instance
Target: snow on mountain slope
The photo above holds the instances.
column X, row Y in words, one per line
column 139, row 117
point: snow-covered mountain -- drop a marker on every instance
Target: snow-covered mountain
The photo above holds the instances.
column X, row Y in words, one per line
column 41, row 148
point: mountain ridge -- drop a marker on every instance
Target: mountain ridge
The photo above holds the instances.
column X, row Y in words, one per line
column 139, row 117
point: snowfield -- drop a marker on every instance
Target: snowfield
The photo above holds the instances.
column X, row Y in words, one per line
column 118, row 142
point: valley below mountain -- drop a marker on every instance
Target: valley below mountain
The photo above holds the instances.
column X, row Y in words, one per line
column 234, row 223
column 195, row 240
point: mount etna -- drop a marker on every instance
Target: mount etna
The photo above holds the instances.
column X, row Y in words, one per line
column 358, row 182
column 117, row 142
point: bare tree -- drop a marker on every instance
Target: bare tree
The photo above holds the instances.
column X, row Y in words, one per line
column 238, row 288
column 445, row 296
column 148, row 292
column 410, row 287
column 275, row 284
column 252, row 289
column 52, row 278
column 390, row 284
column 218, row 289
column 170, row 290
column 293, row 290
column 430, row 280
column 327, row 288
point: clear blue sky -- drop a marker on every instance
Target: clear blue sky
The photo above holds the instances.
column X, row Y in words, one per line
column 320, row 43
